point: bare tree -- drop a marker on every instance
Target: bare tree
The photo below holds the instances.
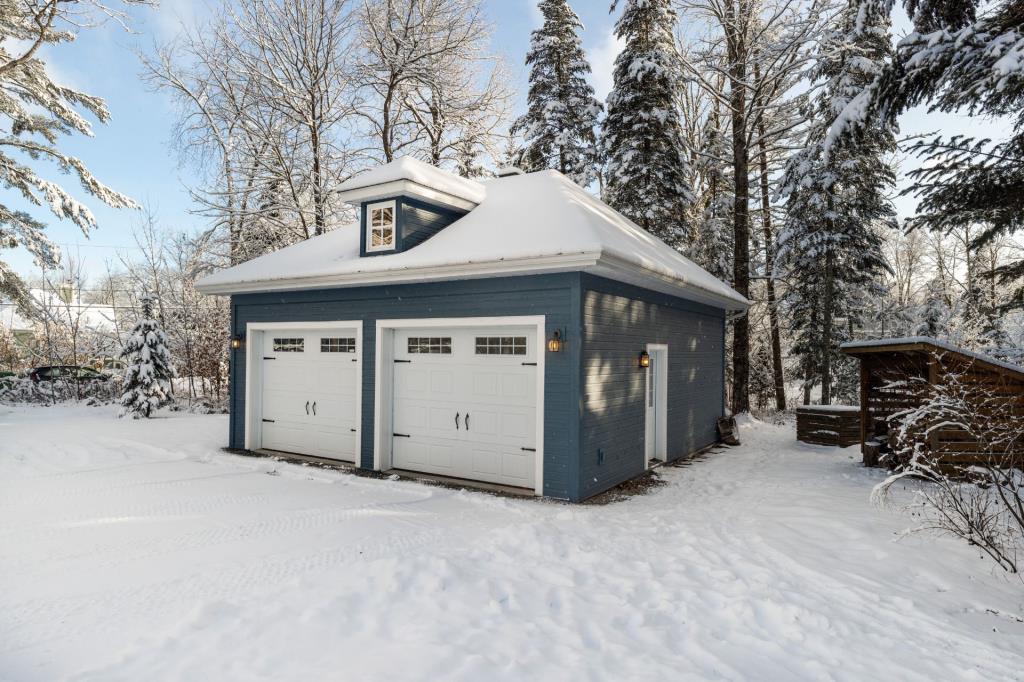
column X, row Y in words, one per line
column 978, row 497
column 753, row 54
column 265, row 107
column 426, row 81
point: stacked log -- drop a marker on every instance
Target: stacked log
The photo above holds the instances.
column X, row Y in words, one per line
column 837, row 425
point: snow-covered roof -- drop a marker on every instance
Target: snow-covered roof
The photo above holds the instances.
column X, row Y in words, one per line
column 929, row 341
column 87, row 315
column 525, row 224
column 413, row 177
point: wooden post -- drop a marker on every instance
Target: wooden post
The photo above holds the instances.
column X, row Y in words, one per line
column 865, row 402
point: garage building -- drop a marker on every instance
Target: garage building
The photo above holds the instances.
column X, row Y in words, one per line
column 515, row 331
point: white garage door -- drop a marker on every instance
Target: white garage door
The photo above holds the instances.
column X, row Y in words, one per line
column 465, row 403
column 310, row 392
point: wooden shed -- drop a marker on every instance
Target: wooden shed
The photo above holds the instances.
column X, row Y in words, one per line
column 893, row 373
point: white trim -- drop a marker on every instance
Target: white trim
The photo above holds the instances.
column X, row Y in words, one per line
column 254, row 332
column 384, row 367
column 603, row 265
column 660, row 400
column 368, row 228
column 511, row 266
column 410, row 188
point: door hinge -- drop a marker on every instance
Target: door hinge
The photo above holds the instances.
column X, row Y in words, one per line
column 403, row 360
column 528, row 449
column 401, row 435
column 270, row 421
column 529, row 364
column 352, row 430
column 266, row 358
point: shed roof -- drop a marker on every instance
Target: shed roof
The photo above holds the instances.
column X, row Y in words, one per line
column 909, row 344
column 523, row 224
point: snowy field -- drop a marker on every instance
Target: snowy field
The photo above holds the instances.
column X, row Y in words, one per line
column 140, row 551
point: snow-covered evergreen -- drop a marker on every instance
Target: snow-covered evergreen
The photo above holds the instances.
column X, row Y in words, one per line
column 836, row 197
column 963, row 56
column 147, row 379
column 712, row 243
column 562, row 113
column 647, row 166
column 35, row 113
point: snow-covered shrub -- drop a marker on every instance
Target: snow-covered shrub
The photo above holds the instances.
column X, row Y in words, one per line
column 25, row 391
column 147, row 380
column 978, row 497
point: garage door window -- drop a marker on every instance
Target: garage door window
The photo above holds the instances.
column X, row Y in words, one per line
column 501, row 345
column 434, row 345
column 289, row 345
column 338, row 345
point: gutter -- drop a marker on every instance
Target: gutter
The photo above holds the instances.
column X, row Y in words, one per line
column 531, row 265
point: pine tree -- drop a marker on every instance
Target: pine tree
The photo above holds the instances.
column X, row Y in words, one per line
column 836, row 197
column 963, row 56
column 712, row 243
column 562, row 112
column 147, row 379
column 647, row 166
column 35, row 113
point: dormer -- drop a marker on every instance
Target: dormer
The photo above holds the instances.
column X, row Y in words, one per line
column 405, row 202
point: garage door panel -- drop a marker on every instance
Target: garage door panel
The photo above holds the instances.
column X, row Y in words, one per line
column 286, row 437
column 339, row 443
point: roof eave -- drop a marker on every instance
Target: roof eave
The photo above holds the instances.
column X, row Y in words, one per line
column 395, row 188
column 522, row 266
column 621, row 270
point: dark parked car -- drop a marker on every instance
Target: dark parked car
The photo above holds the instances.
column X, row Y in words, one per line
column 66, row 373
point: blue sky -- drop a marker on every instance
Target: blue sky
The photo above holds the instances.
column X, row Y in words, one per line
column 133, row 154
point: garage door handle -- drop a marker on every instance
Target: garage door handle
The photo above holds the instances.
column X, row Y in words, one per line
column 528, row 449
column 307, row 407
column 314, row 408
column 400, row 435
column 456, row 421
column 467, row 421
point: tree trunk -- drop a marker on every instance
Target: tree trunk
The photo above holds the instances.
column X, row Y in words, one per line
column 741, row 232
column 769, row 257
column 826, row 333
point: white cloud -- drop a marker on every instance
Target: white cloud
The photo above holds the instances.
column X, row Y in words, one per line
column 602, row 62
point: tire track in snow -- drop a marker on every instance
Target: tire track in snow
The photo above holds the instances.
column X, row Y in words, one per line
column 226, row 583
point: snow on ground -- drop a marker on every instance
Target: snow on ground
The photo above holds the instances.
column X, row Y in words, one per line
column 139, row 551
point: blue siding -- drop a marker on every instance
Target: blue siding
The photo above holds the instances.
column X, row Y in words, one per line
column 594, row 391
column 617, row 322
column 556, row 296
column 415, row 222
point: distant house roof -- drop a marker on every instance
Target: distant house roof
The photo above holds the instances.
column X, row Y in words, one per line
column 923, row 344
column 522, row 224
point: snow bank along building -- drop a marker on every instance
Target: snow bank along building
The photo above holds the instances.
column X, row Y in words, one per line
column 515, row 331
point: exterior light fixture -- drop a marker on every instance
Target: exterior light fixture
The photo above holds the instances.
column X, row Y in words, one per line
column 236, row 342
column 645, row 359
column 555, row 342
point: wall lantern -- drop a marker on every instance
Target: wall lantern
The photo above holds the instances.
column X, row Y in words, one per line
column 645, row 359
column 237, row 342
column 555, row 342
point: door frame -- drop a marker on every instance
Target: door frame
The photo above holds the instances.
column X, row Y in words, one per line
column 383, row 399
column 254, row 336
column 660, row 352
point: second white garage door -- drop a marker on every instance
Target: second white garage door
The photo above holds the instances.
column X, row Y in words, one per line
column 465, row 403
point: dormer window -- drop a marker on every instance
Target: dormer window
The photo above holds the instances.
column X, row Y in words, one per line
column 380, row 226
